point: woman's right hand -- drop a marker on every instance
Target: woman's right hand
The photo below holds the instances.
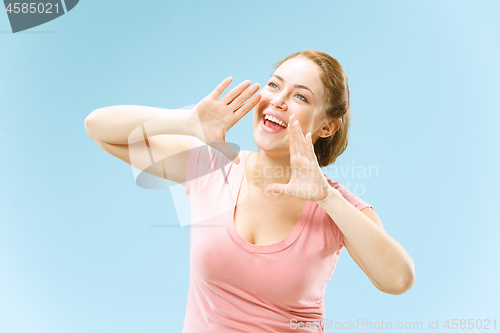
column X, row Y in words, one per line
column 212, row 118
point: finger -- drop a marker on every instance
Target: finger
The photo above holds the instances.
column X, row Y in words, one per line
column 220, row 88
column 273, row 188
column 245, row 95
column 225, row 149
column 310, row 146
column 299, row 137
column 291, row 140
column 243, row 109
column 236, row 91
column 279, row 188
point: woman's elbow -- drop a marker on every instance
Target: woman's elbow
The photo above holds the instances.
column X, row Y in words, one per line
column 406, row 279
column 91, row 123
column 405, row 284
column 401, row 283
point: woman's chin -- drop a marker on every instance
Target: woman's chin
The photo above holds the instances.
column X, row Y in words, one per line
column 271, row 142
column 274, row 146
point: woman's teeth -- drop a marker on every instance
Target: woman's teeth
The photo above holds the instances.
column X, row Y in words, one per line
column 271, row 118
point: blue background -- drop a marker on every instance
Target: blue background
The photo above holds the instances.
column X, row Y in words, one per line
column 78, row 252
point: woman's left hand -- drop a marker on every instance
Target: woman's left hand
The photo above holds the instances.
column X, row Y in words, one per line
column 307, row 181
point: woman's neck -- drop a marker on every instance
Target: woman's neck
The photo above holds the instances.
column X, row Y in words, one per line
column 267, row 168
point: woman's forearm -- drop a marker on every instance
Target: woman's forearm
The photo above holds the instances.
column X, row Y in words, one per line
column 115, row 124
column 384, row 259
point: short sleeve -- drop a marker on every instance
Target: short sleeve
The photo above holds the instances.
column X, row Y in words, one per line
column 348, row 195
column 204, row 164
column 351, row 198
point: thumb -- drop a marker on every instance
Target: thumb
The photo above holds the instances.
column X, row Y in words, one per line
column 277, row 188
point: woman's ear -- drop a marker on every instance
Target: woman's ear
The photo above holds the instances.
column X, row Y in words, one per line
column 331, row 127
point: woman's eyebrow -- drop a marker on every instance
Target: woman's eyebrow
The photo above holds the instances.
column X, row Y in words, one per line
column 295, row 85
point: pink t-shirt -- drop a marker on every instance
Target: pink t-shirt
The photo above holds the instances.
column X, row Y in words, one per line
column 236, row 286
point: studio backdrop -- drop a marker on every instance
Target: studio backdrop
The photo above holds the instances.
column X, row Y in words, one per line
column 86, row 247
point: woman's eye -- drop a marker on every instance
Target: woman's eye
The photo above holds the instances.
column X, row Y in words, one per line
column 272, row 84
column 302, row 97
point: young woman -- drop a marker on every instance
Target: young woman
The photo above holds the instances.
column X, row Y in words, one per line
column 274, row 223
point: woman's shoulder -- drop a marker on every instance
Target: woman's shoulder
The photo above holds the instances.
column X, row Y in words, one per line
column 347, row 194
column 245, row 153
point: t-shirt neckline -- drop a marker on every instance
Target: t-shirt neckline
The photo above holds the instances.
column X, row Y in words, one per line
column 270, row 248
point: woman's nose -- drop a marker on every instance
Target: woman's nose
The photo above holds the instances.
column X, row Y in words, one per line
column 279, row 103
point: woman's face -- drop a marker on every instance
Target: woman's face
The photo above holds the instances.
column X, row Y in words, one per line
column 294, row 88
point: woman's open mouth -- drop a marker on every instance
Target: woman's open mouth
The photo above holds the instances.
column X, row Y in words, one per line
column 272, row 125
